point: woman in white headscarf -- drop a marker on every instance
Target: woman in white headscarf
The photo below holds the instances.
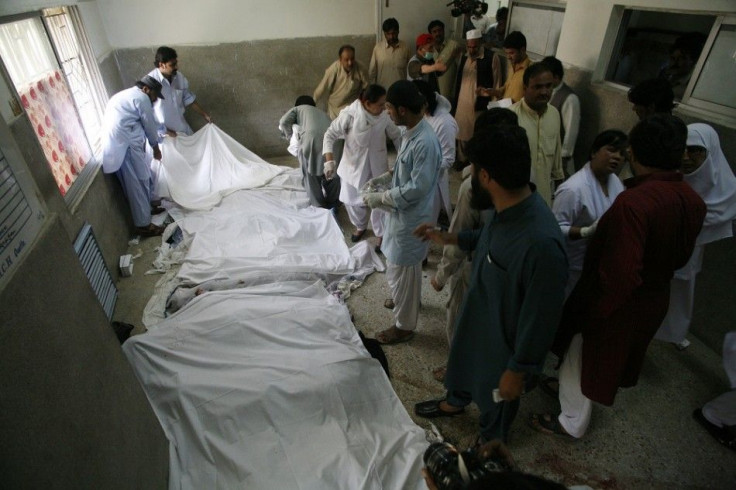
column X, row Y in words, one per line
column 706, row 170
column 364, row 125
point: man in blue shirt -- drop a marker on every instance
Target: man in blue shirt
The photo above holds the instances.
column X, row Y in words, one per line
column 514, row 301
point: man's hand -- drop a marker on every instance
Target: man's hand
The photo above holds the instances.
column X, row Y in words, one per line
column 156, row 153
column 383, row 180
column 330, row 167
column 171, row 132
column 440, row 66
column 207, row 117
column 511, row 385
column 373, row 199
column 437, row 287
column 588, row 231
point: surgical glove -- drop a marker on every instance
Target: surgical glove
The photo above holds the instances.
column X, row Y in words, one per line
column 587, row 231
column 330, row 167
column 373, row 199
column 383, row 180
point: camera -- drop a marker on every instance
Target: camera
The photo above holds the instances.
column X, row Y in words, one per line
column 452, row 469
column 460, row 7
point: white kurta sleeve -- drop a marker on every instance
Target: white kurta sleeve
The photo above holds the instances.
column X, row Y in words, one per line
column 337, row 130
column 148, row 120
column 446, row 133
column 566, row 208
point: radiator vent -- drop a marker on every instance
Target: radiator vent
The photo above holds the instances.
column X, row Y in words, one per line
column 94, row 266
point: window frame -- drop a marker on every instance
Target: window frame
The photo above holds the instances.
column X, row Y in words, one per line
column 83, row 182
column 688, row 105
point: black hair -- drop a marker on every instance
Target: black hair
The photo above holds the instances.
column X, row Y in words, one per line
column 164, row 54
column 428, row 94
column 657, row 91
column 372, row 93
column 659, row 141
column 435, row 23
column 555, row 66
column 345, row 47
column 503, row 152
column 610, row 137
column 502, row 14
column 533, row 70
column 495, row 117
column 304, row 100
column 390, row 24
column 514, row 40
column 403, row 93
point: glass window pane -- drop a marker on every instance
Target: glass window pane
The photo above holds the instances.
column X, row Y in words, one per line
column 716, row 81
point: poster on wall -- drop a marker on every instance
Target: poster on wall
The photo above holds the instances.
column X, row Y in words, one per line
column 21, row 212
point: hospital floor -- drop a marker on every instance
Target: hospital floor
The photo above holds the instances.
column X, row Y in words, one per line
column 648, row 439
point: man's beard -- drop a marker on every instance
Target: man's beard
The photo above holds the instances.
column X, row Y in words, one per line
column 480, row 199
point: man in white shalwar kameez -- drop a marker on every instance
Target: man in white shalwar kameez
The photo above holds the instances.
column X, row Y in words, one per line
column 127, row 125
column 409, row 201
column 364, row 126
column 706, row 170
column 583, row 198
column 177, row 96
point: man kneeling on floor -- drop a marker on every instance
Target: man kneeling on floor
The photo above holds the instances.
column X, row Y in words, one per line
column 514, row 300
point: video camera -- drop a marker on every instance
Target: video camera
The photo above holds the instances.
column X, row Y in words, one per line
column 453, row 469
column 460, row 7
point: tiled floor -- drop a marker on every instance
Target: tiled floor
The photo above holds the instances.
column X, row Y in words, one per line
column 648, row 439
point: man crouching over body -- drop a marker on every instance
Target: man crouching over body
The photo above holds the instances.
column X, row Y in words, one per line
column 514, row 300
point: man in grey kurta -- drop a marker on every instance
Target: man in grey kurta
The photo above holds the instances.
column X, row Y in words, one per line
column 312, row 123
column 514, row 301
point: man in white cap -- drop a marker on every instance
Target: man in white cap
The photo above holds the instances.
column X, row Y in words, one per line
column 128, row 123
column 474, row 72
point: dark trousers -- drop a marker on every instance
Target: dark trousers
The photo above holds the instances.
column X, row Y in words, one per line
column 494, row 423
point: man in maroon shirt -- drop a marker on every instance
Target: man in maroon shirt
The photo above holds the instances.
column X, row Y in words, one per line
column 623, row 293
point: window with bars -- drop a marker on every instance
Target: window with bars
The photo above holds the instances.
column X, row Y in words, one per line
column 47, row 57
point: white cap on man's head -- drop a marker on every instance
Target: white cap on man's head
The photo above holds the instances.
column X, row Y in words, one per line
column 473, row 34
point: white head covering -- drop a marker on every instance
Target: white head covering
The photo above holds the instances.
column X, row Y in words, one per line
column 473, row 34
column 715, row 182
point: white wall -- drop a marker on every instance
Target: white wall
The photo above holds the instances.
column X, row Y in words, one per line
column 95, row 29
column 586, row 21
column 139, row 23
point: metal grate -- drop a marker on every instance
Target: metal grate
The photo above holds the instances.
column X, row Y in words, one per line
column 94, row 266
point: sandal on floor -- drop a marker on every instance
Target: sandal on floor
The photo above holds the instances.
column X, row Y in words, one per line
column 389, row 303
column 439, row 373
column 392, row 336
column 355, row 237
column 550, row 386
column 546, row 423
column 150, row 230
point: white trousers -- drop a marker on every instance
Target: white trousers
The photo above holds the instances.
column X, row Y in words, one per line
column 676, row 323
column 576, row 407
column 359, row 215
column 721, row 411
column 405, row 283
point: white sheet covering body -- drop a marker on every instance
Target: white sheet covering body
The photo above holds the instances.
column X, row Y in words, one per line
column 251, row 231
column 197, row 171
column 269, row 387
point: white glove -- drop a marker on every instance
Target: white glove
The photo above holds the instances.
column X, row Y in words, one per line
column 587, row 231
column 382, row 180
column 373, row 199
column 330, row 167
